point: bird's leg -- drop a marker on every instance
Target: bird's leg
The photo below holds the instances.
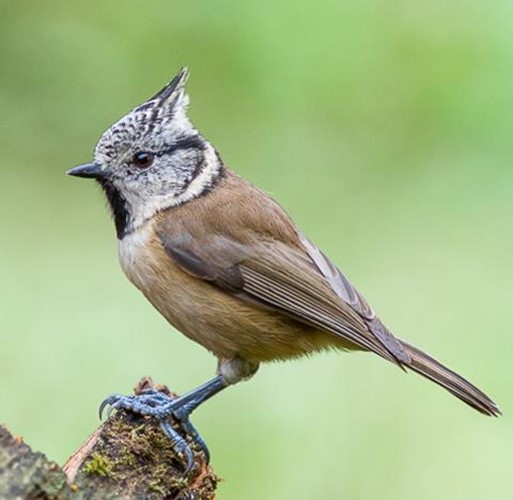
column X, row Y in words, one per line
column 166, row 408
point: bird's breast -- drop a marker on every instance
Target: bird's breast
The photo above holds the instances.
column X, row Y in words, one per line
column 172, row 291
column 133, row 249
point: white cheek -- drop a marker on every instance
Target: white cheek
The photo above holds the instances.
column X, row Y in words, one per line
column 143, row 204
column 142, row 209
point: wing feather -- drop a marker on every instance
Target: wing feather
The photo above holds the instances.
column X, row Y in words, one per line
column 346, row 291
column 279, row 277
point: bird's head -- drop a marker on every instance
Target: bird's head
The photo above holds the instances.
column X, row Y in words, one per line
column 152, row 159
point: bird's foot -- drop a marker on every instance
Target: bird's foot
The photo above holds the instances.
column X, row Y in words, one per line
column 166, row 409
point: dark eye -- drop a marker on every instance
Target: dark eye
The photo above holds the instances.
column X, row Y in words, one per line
column 143, row 159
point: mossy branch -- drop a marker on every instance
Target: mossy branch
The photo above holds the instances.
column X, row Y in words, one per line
column 128, row 456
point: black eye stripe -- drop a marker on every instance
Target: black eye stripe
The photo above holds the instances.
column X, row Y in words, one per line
column 192, row 142
column 144, row 159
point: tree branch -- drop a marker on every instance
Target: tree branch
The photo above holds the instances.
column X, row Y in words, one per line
column 127, row 456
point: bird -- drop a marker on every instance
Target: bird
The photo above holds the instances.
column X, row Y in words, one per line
column 226, row 265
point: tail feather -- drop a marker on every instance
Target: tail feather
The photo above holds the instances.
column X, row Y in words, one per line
column 430, row 368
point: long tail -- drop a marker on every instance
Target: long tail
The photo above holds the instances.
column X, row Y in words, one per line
column 454, row 383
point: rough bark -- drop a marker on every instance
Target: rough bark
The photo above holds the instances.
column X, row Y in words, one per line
column 128, row 456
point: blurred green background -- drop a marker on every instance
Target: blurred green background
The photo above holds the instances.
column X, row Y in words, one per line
column 383, row 127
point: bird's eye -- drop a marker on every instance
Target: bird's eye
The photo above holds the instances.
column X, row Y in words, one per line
column 143, row 159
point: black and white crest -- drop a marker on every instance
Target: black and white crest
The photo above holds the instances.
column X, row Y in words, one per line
column 153, row 158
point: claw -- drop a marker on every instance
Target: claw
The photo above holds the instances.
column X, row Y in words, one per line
column 166, row 409
column 196, row 437
column 102, row 408
column 179, row 443
column 109, row 403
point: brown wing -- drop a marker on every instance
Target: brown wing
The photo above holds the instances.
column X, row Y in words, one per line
column 347, row 292
column 277, row 275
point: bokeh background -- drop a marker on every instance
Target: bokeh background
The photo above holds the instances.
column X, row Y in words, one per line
column 385, row 130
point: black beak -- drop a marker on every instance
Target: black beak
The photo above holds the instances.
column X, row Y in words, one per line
column 87, row 170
